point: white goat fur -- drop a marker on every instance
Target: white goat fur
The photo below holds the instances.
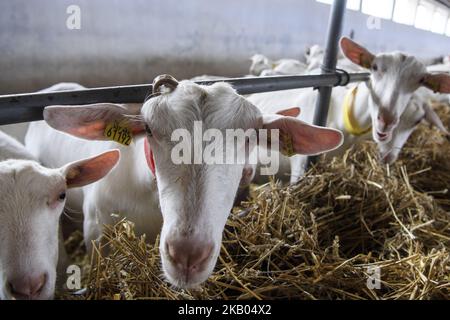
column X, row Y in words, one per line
column 263, row 66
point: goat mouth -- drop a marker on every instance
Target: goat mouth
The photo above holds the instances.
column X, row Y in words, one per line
column 382, row 136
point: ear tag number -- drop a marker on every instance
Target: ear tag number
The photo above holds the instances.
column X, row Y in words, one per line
column 119, row 132
column 287, row 148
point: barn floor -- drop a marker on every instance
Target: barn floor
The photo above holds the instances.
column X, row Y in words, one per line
column 324, row 238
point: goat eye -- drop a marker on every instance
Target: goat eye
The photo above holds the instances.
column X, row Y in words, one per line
column 422, row 80
column 148, row 131
column 375, row 67
column 62, row 196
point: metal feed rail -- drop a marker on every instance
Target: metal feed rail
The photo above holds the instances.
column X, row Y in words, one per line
column 28, row 107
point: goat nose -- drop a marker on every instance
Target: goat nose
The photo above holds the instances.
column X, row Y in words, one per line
column 27, row 287
column 385, row 122
column 383, row 119
column 190, row 256
column 386, row 118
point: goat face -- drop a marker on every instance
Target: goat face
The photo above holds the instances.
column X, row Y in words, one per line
column 196, row 197
column 394, row 79
column 33, row 199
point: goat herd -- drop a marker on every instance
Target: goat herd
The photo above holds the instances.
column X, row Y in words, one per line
column 187, row 204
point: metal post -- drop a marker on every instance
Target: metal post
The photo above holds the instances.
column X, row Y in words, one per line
column 329, row 63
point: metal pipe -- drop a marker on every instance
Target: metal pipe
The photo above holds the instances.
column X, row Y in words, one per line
column 329, row 64
column 28, row 107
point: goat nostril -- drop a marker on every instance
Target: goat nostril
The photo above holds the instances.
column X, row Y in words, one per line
column 199, row 258
column 19, row 289
column 383, row 122
column 206, row 253
column 38, row 284
column 10, row 287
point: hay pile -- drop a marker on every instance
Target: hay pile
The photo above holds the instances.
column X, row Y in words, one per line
column 320, row 239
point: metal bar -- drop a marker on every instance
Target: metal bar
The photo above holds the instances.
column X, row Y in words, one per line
column 444, row 3
column 329, row 63
column 28, row 107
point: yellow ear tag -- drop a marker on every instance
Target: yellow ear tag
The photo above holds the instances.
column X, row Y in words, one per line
column 364, row 62
column 434, row 85
column 119, row 132
column 287, row 144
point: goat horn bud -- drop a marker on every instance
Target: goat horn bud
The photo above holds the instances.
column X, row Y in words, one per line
column 165, row 80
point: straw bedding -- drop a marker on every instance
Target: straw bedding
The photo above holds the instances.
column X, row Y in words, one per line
column 320, row 239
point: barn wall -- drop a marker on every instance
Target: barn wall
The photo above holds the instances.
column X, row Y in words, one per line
column 128, row 42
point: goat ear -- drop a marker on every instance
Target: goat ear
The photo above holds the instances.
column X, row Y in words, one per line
column 298, row 137
column 437, row 82
column 291, row 112
column 356, row 53
column 87, row 171
column 90, row 121
column 432, row 117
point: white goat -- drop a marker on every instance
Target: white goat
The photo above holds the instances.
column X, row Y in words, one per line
column 263, row 66
column 195, row 199
column 207, row 77
column 32, row 201
column 314, row 58
column 378, row 106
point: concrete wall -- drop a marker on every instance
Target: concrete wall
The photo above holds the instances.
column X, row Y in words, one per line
column 129, row 42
